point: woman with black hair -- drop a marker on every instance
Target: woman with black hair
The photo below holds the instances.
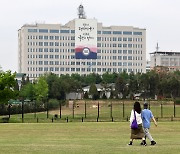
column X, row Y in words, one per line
column 137, row 133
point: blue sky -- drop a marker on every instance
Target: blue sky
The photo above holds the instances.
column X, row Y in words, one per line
column 161, row 18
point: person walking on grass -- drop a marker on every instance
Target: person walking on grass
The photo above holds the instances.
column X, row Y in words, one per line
column 137, row 133
column 146, row 119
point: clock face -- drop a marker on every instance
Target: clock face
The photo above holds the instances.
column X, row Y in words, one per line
column 86, row 51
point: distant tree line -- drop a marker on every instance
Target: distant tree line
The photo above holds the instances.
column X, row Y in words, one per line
column 52, row 88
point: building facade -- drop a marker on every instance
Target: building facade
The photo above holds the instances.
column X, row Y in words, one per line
column 169, row 60
column 54, row 48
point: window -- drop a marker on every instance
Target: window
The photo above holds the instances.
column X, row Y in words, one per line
column 56, row 43
column 124, row 45
column 129, row 57
column 124, row 51
column 114, row 51
column 98, row 44
column 51, row 43
column 40, row 49
column 72, row 69
column 51, row 63
column 120, row 51
column 56, row 37
column 40, row 69
column 114, row 63
column 43, row 30
column 114, row 39
column 119, row 39
column 51, row 37
column 45, row 56
column 98, row 38
column 45, row 68
column 119, row 63
column 124, row 39
column 51, row 69
column 124, row 63
column 73, row 31
column 98, row 32
column 119, row 45
column 129, row 70
column 119, row 57
column 46, row 37
column 127, row 33
column 119, row 69
column 117, row 32
column 114, row 45
column 99, row 69
column 78, row 69
column 56, row 50
column 72, row 37
column 51, row 56
column 32, row 30
column 40, row 43
column 45, row 62
column 114, row 57
column 56, row 56
column 40, row 62
column 137, row 33
column 64, row 31
column 51, row 50
column 56, row 68
column 54, row 31
column 40, row 37
column 130, row 39
column 45, row 43
column 129, row 51
column 45, row 49
column 106, row 32
column 129, row 64
column 56, row 62
column 124, row 57
column 129, row 45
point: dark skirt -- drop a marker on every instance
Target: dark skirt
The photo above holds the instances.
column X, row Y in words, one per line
column 137, row 133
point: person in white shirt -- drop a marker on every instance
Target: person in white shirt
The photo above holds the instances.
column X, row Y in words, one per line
column 137, row 133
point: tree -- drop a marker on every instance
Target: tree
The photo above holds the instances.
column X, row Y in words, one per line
column 28, row 91
column 93, row 92
column 58, row 90
column 120, row 86
column 7, row 84
column 41, row 89
column 108, row 78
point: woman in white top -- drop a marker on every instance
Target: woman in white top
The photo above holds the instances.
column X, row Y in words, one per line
column 137, row 133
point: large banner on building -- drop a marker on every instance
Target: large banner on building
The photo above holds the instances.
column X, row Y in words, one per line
column 86, row 39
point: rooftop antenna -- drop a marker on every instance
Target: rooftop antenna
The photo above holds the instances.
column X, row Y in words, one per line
column 81, row 12
column 157, row 47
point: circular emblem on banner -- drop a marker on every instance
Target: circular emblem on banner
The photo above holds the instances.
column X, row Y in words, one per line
column 86, row 51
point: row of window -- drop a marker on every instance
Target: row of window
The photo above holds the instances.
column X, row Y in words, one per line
column 41, row 56
column 72, row 51
column 78, row 63
column 73, row 31
column 45, row 37
column 50, row 31
column 73, row 44
column 62, row 69
column 50, row 44
column 50, row 50
column 130, row 39
column 120, row 45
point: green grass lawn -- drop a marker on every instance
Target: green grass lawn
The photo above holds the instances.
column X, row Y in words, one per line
column 87, row 137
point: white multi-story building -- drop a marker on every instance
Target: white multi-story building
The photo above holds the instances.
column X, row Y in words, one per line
column 170, row 60
column 81, row 46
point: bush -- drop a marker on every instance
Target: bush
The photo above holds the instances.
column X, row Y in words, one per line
column 177, row 101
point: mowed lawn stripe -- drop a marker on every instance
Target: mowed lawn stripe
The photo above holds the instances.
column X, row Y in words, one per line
column 87, row 137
